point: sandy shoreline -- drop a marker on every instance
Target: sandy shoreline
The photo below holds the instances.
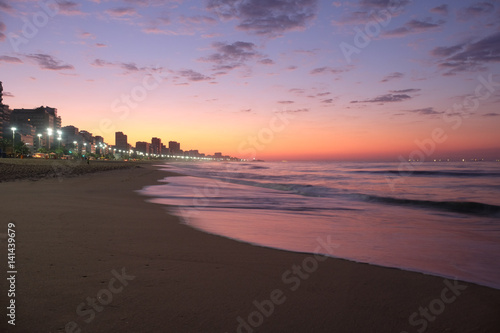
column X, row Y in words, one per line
column 12, row 169
column 93, row 255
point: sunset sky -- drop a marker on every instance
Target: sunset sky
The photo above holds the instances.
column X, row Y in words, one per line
column 272, row 79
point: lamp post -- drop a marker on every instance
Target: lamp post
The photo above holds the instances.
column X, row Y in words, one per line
column 13, row 140
column 49, row 133
column 59, row 132
column 39, row 138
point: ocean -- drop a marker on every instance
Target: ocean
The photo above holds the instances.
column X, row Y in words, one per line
column 440, row 218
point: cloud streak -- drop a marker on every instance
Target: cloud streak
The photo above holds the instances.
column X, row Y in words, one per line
column 194, row 76
column 387, row 98
column 129, row 67
column 326, row 70
column 69, row 8
column 229, row 56
column 429, row 111
column 392, row 76
column 415, row 26
column 475, row 10
column 12, row 60
column 442, row 10
column 470, row 56
column 266, row 17
column 46, row 61
column 121, row 12
column 364, row 9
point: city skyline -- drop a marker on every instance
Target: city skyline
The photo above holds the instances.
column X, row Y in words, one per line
column 308, row 79
column 41, row 128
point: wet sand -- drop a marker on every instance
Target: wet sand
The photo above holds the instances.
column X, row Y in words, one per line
column 93, row 256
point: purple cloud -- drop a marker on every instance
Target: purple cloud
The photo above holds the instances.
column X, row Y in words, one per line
column 12, row 60
column 442, row 10
column 49, row 62
column 326, row 70
column 266, row 17
column 121, row 12
column 387, row 98
column 392, row 76
column 194, row 76
column 470, row 56
column 230, row 56
column 475, row 10
column 415, row 26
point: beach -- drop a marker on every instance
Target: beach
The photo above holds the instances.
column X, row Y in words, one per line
column 92, row 255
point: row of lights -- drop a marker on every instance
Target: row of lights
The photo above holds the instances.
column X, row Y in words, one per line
column 49, row 133
column 165, row 156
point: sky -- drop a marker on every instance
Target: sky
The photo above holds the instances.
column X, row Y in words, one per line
column 266, row 79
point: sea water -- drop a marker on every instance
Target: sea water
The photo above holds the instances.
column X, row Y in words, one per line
column 438, row 218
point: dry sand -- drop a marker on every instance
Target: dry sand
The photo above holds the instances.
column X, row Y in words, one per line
column 75, row 236
column 35, row 169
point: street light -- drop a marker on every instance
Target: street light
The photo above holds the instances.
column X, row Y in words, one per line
column 39, row 137
column 59, row 132
column 49, row 133
column 13, row 140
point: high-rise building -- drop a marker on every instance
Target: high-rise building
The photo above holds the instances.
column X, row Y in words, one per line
column 26, row 133
column 4, row 120
column 164, row 149
column 98, row 139
column 1, row 110
column 4, row 116
column 70, row 134
column 121, row 141
column 42, row 119
column 87, row 137
column 156, row 146
column 142, row 147
column 174, row 146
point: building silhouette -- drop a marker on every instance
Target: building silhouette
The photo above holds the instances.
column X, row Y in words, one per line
column 143, row 147
column 1, row 110
column 121, row 142
column 156, row 146
column 174, row 147
column 4, row 116
column 42, row 119
column 71, row 134
column 164, row 149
